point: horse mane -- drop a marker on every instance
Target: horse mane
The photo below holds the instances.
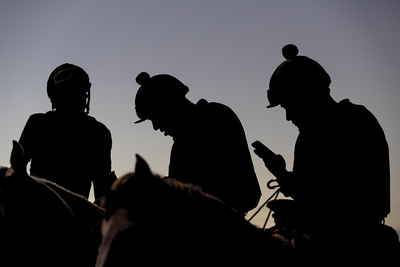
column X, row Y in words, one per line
column 168, row 195
column 86, row 213
column 190, row 189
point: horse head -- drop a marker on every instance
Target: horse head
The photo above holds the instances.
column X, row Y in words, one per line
column 25, row 193
column 131, row 188
column 40, row 219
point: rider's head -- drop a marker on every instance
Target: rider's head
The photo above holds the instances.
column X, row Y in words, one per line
column 159, row 99
column 68, row 88
column 298, row 84
column 298, row 77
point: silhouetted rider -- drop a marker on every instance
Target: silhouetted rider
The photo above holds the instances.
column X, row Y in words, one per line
column 210, row 147
column 66, row 145
column 341, row 178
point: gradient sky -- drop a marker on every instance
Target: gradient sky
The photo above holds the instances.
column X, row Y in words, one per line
column 223, row 50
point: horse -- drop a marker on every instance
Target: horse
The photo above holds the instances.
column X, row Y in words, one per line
column 150, row 220
column 42, row 223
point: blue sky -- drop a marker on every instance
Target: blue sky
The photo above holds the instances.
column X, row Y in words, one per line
column 223, row 50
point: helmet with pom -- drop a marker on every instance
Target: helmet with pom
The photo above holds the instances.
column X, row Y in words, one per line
column 298, row 76
column 156, row 91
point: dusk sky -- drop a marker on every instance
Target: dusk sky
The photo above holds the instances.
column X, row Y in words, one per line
column 223, row 50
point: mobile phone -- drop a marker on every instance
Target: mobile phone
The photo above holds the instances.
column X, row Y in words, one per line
column 262, row 150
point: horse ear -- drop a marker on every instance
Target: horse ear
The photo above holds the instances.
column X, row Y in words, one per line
column 17, row 160
column 142, row 169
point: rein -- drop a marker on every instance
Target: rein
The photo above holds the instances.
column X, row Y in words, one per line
column 274, row 195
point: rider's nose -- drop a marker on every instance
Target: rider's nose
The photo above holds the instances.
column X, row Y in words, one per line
column 155, row 126
column 288, row 115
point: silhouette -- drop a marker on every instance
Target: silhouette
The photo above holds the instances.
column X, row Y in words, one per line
column 210, row 147
column 152, row 221
column 340, row 181
column 66, row 145
column 42, row 223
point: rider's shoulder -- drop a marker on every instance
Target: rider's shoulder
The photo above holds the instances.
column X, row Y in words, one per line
column 93, row 122
column 36, row 117
column 215, row 110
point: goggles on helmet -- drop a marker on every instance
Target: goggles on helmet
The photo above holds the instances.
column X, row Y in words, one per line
column 68, row 74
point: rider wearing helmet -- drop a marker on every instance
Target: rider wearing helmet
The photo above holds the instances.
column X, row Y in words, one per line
column 340, row 178
column 66, row 145
column 68, row 87
column 210, row 147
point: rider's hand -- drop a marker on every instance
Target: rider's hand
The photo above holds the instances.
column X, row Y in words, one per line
column 276, row 165
column 286, row 183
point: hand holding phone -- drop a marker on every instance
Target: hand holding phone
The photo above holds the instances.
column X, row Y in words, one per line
column 274, row 162
column 262, row 151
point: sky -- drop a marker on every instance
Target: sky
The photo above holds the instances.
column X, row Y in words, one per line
column 223, row 50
